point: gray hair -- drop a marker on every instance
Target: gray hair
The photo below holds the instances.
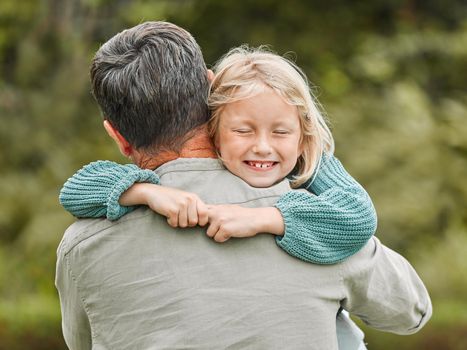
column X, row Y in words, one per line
column 151, row 84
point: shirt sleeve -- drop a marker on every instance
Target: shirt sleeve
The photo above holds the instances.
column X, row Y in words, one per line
column 75, row 322
column 94, row 191
column 330, row 222
column 384, row 291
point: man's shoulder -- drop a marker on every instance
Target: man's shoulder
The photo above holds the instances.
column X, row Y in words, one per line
column 84, row 229
column 373, row 256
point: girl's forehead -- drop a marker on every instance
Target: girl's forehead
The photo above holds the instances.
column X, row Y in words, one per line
column 267, row 107
column 254, row 91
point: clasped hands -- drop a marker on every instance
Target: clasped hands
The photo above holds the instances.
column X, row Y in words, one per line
column 185, row 209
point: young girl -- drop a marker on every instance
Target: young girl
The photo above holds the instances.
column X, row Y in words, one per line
column 265, row 126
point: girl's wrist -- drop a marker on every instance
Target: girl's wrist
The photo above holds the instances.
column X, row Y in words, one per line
column 137, row 194
column 270, row 221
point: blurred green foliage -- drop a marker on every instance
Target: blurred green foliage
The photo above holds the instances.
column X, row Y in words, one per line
column 390, row 73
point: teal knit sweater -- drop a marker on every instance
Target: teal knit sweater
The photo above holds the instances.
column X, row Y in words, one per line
column 325, row 226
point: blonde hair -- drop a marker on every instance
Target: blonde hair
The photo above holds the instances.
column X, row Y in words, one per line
column 240, row 74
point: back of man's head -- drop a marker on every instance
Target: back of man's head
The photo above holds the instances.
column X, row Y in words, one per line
column 151, row 84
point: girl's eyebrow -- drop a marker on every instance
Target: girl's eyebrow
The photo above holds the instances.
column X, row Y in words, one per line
column 285, row 122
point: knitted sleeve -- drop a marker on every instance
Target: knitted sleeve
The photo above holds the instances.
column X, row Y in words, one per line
column 332, row 222
column 95, row 189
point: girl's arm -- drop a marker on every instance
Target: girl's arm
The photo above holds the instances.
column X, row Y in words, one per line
column 325, row 225
column 332, row 222
column 94, row 190
column 231, row 220
column 182, row 209
column 109, row 189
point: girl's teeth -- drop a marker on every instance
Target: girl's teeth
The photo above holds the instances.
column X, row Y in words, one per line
column 261, row 165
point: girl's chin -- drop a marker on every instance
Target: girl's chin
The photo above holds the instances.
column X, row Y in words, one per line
column 260, row 183
column 254, row 179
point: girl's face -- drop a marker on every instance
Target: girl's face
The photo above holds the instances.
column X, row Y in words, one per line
column 259, row 138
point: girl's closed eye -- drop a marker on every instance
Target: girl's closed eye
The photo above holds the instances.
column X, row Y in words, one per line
column 281, row 132
column 242, row 131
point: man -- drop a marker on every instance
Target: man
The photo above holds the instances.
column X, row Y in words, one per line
column 138, row 283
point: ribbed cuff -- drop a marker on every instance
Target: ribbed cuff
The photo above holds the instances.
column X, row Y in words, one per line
column 114, row 209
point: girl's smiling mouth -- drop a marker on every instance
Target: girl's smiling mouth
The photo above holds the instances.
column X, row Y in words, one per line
column 260, row 164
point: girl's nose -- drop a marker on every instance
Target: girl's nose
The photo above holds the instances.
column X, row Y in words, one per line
column 262, row 146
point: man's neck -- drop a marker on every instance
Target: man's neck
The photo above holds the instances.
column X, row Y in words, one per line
column 198, row 146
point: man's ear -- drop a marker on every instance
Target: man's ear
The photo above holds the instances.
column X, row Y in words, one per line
column 210, row 75
column 123, row 145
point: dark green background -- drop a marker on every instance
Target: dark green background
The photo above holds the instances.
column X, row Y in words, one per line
column 390, row 74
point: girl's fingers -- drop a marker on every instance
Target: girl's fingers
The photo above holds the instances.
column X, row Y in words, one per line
column 183, row 217
column 192, row 214
column 212, row 230
column 203, row 217
column 221, row 237
column 172, row 219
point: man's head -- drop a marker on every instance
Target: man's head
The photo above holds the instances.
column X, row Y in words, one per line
column 151, row 84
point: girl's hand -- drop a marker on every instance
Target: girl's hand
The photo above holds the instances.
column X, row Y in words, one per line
column 182, row 209
column 226, row 221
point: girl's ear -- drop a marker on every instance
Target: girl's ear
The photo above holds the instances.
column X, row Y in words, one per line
column 123, row 145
